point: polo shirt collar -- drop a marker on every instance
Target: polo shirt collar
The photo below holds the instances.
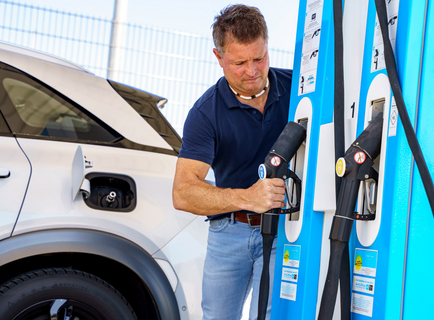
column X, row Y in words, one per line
column 231, row 101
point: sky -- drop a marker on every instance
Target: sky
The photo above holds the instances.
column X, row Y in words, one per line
column 192, row 16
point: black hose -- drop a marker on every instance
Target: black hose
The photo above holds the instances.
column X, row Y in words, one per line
column 345, row 285
column 338, row 114
column 328, row 299
column 339, row 127
column 397, row 93
column 264, row 286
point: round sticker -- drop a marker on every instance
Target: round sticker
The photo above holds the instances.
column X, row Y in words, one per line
column 261, row 171
column 275, row 161
column 360, row 157
column 341, row 167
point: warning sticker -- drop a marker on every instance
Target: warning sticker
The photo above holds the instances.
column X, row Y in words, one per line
column 360, row 157
column 275, row 161
column 310, row 48
column 288, row 291
column 362, row 304
column 366, row 262
column 377, row 61
column 291, row 255
column 364, row 284
column 289, row 274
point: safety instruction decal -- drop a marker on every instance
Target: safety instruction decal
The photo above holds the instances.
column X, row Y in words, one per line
column 378, row 62
column 289, row 274
column 288, row 291
column 365, row 270
column 364, row 284
column 291, row 256
column 291, row 259
column 310, row 48
column 365, row 262
column 362, row 304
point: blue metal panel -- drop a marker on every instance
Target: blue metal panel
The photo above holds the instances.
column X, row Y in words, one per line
column 391, row 240
column 419, row 282
column 308, row 243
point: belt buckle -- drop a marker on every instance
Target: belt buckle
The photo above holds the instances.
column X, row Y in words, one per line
column 250, row 223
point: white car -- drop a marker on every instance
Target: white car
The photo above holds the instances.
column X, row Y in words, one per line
column 87, row 226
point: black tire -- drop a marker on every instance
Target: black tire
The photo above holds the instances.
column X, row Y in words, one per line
column 74, row 294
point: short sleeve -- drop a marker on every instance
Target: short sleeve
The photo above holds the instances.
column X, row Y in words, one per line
column 198, row 139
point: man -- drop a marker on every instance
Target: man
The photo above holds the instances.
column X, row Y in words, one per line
column 231, row 128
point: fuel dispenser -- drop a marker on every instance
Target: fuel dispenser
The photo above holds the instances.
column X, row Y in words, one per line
column 298, row 252
column 392, row 224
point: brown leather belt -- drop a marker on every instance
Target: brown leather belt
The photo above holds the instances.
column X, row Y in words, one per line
column 254, row 220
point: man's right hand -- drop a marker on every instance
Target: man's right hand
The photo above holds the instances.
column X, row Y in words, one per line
column 191, row 193
column 265, row 195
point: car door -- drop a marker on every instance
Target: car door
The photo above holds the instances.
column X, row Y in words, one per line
column 14, row 177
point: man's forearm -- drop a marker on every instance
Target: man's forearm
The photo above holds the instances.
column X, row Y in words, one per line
column 201, row 198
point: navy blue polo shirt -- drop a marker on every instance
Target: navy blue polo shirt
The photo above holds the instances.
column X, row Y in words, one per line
column 232, row 137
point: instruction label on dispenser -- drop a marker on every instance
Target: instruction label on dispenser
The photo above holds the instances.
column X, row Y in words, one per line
column 365, row 270
column 366, row 262
column 310, row 48
column 289, row 274
column 291, row 259
column 291, row 256
column 364, row 284
column 362, row 304
column 378, row 62
column 288, row 291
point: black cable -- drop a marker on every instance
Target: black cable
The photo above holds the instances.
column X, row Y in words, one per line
column 330, row 292
column 339, row 127
column 397, row 93
column 345, row 285
column 267, row 244
column 338, row 114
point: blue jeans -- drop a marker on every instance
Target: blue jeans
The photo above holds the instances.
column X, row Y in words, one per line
column 233, row 265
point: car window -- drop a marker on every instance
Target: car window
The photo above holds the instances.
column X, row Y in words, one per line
column 33, row 109
column 4, row 129
column 146, row 104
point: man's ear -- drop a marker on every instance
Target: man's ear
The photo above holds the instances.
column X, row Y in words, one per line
column 218, row 56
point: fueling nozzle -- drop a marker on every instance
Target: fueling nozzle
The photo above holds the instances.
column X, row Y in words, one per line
column 276, row 166
column 356, row 166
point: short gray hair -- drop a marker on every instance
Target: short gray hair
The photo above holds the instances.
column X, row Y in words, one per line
column 245, row 24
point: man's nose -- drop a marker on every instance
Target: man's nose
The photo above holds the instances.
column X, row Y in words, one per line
column 251, row 69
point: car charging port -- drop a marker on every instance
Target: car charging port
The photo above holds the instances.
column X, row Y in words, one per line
column 111, row 192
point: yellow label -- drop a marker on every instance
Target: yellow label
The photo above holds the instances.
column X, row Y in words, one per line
column 340, row 167
column 286, row 256
column 358, row 262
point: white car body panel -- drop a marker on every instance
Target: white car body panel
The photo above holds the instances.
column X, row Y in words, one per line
column 38, row 195
column 40, row 55
column 185, row 253
column 91, row 92
column 13, row 188
column 150, row 225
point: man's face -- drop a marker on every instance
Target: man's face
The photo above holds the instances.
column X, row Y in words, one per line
column 245, row 66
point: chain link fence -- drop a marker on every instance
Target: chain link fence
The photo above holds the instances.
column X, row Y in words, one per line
column 176, row 65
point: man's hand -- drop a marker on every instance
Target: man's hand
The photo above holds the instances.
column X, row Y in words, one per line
column 265, row 195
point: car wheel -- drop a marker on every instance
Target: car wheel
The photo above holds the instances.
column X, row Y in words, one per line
column 61, row 294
